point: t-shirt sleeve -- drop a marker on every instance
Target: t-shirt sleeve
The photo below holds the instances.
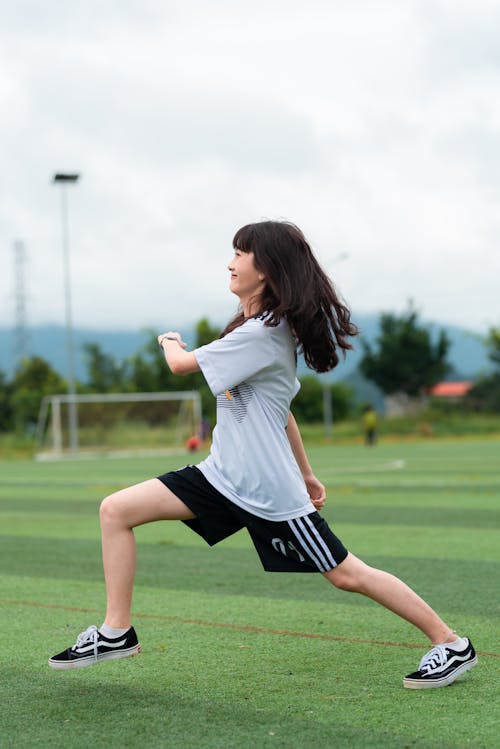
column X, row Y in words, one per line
column 241, row 354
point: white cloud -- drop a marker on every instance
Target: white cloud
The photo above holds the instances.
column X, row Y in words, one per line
column 374, row 126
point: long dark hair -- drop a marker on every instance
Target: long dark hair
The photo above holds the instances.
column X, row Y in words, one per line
column 297, row 289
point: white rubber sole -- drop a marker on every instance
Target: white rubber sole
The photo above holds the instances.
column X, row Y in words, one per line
column 443, row 682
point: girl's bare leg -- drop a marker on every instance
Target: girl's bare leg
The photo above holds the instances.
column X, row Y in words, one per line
column 356, row 576
column 119, row 514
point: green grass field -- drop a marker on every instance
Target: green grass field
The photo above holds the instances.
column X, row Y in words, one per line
column 235, row 658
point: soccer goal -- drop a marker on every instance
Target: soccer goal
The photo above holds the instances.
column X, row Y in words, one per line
column 116, row 423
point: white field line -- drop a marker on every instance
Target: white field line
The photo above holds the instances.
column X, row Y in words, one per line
column 391, row 465
column 343, row 476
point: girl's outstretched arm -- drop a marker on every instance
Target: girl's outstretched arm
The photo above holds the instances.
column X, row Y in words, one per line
column 181, row 362
column 315, row 488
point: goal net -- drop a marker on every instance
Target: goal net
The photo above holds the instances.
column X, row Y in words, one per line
column 116, row 423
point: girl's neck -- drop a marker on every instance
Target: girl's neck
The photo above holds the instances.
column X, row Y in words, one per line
column 250, row 307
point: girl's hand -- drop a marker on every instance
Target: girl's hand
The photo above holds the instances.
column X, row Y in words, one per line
column 171, row 336
column 316, row 491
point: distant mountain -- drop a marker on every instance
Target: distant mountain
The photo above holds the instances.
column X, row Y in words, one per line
column 49, row 341
column 468, row 354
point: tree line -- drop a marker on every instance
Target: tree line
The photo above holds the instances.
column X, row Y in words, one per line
column 403, row 359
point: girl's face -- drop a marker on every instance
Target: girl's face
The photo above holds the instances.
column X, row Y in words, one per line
column 246, row 281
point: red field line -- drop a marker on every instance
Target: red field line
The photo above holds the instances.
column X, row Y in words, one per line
column 238, row 627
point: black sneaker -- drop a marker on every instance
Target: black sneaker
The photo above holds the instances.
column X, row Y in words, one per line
column 440, row 666
column 92, row 647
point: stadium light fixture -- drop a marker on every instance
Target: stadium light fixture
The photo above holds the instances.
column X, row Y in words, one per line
column 64, row 179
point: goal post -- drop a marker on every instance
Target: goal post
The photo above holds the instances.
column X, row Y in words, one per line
column 114, row 423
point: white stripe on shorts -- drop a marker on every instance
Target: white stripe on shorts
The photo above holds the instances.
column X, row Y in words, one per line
column 312, row 543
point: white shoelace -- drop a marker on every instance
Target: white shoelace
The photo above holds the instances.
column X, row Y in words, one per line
column 91, row 635
column 433, row 659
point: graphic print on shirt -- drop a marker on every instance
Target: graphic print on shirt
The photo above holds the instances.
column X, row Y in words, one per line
column 236, row 399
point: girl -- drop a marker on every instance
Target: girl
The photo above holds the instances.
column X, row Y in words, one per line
column 257, row 475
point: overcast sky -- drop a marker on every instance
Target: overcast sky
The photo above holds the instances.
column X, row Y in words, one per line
column 375, row 126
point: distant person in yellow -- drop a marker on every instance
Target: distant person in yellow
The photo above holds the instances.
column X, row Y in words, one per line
column 370, row 420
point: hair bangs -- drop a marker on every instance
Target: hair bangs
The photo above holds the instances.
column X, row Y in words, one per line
column 244, row 239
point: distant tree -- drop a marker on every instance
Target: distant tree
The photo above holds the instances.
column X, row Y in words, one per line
column 493, row 344
column 5, row 403
column 32, row 380
column 307, row 406
column 205, row 332
column 308, row 403
column 147, row 370
column 405, row 359
column 105, row 374
column 485, row 395
column 343, row 401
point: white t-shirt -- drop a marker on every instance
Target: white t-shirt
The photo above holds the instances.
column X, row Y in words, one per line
column 252, row 372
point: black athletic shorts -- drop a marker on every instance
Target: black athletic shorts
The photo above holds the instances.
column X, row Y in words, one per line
column 304, row 544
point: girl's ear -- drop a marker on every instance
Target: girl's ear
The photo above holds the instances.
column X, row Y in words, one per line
column 261, row 276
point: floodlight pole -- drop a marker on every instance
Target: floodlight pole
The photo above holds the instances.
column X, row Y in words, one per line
column 64, row 179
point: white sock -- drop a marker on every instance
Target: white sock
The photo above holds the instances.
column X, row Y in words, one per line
column 459, row 644
column 112, row 633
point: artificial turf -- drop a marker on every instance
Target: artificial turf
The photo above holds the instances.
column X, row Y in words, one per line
column 234, row 657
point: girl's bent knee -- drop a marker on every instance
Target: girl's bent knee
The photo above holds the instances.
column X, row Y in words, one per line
column 109, row 510
column 343, row 581
column 350, row 575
